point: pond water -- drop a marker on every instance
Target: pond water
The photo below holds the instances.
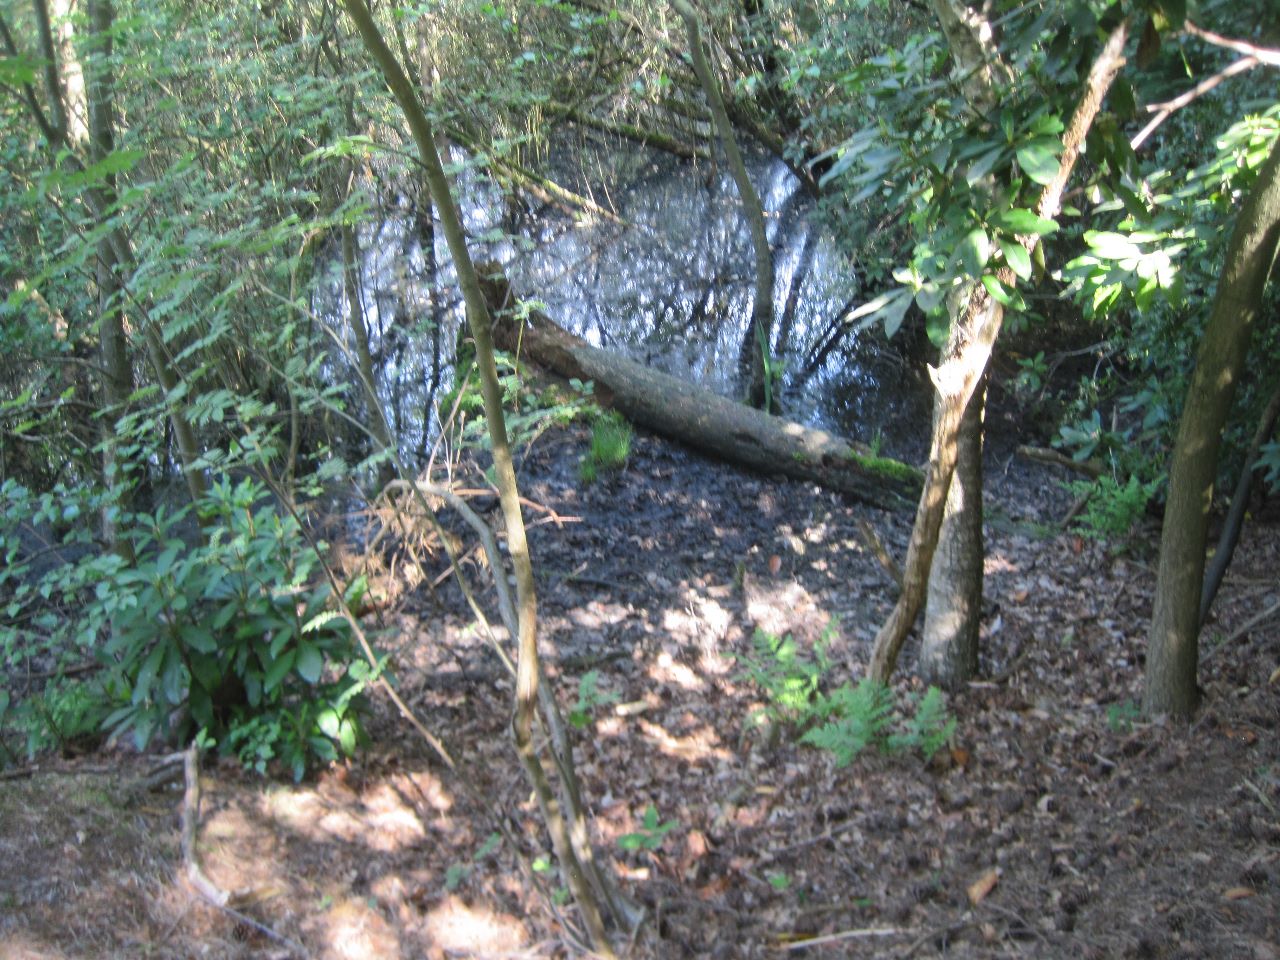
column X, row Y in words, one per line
column 670, row 283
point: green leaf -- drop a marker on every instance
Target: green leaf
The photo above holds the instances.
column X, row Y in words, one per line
column 310, row 662
column 347, row 737
column 1038, row 162
column 1015, row 254
column 1006, row 296
column 974, row 251
column 278, row 670
column 1022, row 221
column 147, row 675
column 1112, row 246
column 320, row 619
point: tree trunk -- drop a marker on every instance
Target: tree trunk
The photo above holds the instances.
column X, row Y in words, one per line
column 953, row 611
column 113, row 343
column 1175, row 626
column 973, row 333
column 1239, row 506
column 577, row 865
column 710, row 423
column 759, row 335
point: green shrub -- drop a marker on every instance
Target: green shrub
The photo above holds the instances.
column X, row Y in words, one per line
column 929, row 728
column 228, row 637
column 1111, row 510
column 611, row 437
column 856, row 718
column 849, row 719
column 788, row 676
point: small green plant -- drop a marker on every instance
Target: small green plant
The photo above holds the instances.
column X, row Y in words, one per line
column 529, row 412
column 456, row 873
column 651, row 833
column 929, row 728
column 611, row 438
column 589, row 699
column 849, row 719
column 779, row 881
column 1032, row 374
column 1122, row 715
column 1112, row 509
column 856, row 718
column 788, row 676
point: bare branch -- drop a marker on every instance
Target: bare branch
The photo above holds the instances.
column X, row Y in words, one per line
column 1163, row 111
column 1268, row 55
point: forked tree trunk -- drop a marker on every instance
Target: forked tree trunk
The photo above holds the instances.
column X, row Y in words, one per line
column 1175, row 625
column 973, row 333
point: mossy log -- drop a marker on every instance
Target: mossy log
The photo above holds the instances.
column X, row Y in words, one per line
column 711, row 423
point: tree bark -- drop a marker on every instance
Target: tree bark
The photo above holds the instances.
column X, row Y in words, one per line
column 1239, row 504
column 759, row 336
column 973, row 333
column 1173, row 652
column 953, row 611
column 577, row 866
column 711, row 423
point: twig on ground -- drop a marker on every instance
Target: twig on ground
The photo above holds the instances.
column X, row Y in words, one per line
column 862, row 933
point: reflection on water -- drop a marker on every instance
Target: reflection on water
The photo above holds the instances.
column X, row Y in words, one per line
column 671, row 285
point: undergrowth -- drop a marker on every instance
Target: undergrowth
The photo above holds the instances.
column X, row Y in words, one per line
column 611, row 437
column 849, row 719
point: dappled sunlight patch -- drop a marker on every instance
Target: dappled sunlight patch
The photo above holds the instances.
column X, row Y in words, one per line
column 666, row 669
column 599, row 613
column 784, row 607
column 239, row 852
column 352, row 930
column 453, row 925
column 700, row 744
column 380, row 819
column 700, row 618
column 997, row 562
column 20, row 947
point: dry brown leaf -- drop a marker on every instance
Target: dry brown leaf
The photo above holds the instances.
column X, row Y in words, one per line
column 1239, row 893
column 979, row 889
column 1275, row 675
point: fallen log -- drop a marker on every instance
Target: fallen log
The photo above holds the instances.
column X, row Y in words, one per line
column 710, row 423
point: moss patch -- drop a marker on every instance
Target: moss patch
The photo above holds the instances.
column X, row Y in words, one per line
column 888, row 467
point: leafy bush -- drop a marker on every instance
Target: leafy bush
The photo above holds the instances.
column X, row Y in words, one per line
column 589, row 699
column 227, row 636
column 849, row 719
column 859, row 717
column 1111, row 510
column 929, row 728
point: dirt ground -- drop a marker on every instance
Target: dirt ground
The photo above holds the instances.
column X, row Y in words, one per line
column 1056, row 824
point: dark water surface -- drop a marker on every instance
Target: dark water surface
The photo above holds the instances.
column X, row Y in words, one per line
column 670, row 285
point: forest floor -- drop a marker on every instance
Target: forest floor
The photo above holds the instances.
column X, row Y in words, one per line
column 1056, row 824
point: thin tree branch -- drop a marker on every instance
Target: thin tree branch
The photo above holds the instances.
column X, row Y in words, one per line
column 1165, row 110
column 1267, row 55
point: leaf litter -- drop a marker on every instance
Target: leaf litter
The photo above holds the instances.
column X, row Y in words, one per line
column 1056, row 823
